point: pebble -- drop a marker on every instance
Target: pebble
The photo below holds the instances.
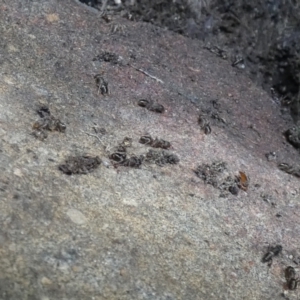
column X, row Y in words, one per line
column 76, row 216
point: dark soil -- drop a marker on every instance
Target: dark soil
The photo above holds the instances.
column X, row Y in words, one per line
column 260, row 37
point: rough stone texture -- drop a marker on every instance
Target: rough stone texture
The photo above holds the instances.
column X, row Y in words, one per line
column 134, row 233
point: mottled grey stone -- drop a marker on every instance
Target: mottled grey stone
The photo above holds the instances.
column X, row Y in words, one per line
column 134, row 233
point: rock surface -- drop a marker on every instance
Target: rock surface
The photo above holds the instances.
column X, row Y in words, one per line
column 120, row 232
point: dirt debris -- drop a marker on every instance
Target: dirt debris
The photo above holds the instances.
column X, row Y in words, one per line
column 289, row 169
column 106, row 56
column 47, row 122
column 216, row 174
column 161, row 157
column 155, row 143
column 293, row 136
column 101, row 84
column 80, row 164
column 151, row 106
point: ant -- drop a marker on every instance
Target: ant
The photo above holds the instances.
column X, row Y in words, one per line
column 290, row 276
column 272, row 252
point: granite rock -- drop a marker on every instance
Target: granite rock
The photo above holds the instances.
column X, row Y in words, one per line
column 153, row 232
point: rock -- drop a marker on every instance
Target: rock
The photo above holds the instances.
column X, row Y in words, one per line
column 76, row 216
column 143, row 236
